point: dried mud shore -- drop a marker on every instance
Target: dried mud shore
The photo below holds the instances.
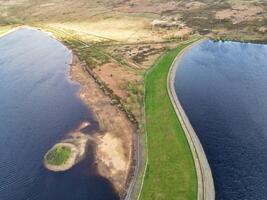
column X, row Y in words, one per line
column 116, row 139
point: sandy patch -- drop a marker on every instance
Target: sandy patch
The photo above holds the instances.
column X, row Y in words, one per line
column 80, row 140
column 110, row 149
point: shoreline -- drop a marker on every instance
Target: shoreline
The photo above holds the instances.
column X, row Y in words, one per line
column 68, row 164
column 10, row 31
column 116, row 139
column 78, row 74
column 205, row 183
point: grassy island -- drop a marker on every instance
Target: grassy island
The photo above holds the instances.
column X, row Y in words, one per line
column 170, row 172
column 59, row 155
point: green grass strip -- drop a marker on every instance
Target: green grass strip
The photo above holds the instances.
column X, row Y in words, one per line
column 170, row 172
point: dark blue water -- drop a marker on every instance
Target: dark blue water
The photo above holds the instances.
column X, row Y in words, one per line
column 223, row 89
column 38, row 106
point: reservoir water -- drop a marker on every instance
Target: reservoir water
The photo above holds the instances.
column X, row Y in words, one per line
column 38, row 107
column 222, row 87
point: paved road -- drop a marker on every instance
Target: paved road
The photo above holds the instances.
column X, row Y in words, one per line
column 206, row 189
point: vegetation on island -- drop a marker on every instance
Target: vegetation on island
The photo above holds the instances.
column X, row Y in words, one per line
column 170, row 172
column 58, row 155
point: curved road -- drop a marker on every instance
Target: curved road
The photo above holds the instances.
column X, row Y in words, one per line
column 206, row 189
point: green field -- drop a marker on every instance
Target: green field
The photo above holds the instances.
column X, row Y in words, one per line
column 58, row 156
column 170, row 172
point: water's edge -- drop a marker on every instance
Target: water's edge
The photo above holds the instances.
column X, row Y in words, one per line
column 69, row 78
column 205, row 183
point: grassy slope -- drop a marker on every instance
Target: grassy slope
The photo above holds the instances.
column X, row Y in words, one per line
column 170, row 173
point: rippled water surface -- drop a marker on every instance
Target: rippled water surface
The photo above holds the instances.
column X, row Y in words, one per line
column 38, row 106
column 223, row 89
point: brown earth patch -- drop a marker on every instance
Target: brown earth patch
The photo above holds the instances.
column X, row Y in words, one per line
column 117, row 137
column 115, row 76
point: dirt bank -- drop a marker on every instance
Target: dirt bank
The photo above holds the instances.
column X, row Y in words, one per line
column 114, row 151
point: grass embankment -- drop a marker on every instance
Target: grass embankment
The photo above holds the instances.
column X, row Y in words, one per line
column 58, row 156
column 5, row 29
column 170, row 172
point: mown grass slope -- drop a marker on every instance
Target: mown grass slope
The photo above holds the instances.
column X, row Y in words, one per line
column 170, row 172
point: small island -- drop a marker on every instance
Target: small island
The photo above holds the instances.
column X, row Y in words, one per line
column 61, row 157
column 69, row 151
